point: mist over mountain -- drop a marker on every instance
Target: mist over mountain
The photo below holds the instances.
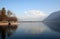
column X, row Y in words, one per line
column 33, row 15
column 55, row 16
column 31, row 19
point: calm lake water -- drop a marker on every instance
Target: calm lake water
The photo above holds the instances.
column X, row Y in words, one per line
column 31, row 30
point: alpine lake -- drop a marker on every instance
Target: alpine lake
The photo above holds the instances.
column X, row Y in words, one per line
column 31, row 30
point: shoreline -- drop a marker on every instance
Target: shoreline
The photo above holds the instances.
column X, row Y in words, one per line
column 7, row 23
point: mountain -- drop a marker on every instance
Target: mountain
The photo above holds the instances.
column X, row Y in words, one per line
column 55, row 16
column 30, row 19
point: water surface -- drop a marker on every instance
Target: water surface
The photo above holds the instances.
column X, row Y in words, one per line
column 31, row 30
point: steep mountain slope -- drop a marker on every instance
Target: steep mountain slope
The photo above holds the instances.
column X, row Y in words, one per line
column 55, row 16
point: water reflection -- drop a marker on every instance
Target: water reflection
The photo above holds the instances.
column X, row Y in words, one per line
column 7, row 30
column 55, row 26
column 32, row 28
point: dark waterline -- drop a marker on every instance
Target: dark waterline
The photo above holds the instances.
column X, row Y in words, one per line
column 31, row 30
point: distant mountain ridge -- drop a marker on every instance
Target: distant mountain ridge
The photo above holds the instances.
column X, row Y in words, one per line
column 55, row 16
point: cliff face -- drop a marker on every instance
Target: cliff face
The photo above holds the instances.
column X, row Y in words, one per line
column 55, row 16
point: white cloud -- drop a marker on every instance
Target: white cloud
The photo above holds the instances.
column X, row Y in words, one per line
column 30, row 14
column 34, row 13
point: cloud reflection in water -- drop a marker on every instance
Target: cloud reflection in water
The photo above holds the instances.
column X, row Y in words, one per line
column 32, row 28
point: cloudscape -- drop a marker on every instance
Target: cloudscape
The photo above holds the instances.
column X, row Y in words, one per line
column 29, row 10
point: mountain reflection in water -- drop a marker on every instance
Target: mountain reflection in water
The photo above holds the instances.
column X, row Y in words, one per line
column 54, row 26
column 7, row 30
column 31, row 30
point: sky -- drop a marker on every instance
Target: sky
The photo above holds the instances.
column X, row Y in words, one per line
column 28, row 10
